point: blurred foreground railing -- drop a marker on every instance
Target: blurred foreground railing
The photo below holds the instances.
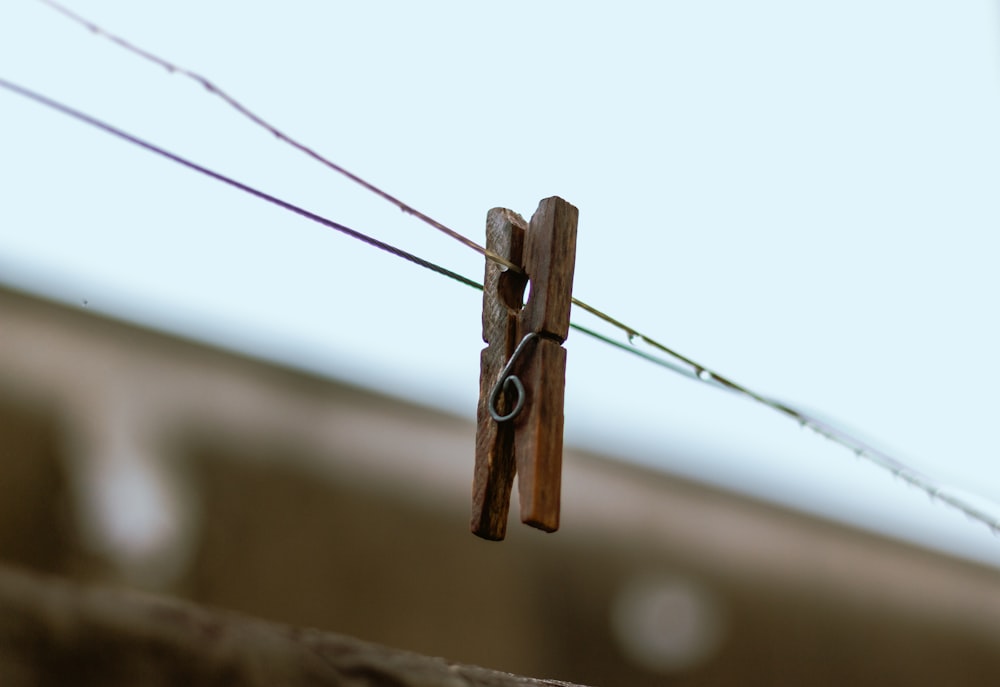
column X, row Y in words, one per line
column 57, row 632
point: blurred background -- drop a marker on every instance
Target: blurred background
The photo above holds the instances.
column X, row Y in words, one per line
column 206, row 396
column 133, row 458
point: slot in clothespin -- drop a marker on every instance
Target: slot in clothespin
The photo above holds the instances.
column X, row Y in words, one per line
column 523, row 367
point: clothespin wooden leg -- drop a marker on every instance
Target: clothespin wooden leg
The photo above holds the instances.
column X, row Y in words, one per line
column 550, row 254
column 502, row 294
column 538, row 432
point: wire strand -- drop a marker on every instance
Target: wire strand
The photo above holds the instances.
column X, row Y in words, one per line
column 291, row 207
column 246, row 112
column 678, row 363
column 277, row 133
column 631, row 333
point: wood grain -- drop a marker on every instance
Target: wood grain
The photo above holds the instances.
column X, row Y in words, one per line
column 538, row 445
column 550, row 255
column 531, row 444
column 549, row 259
column 502, row 294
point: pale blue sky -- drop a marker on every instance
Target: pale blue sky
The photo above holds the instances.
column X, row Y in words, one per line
column 799, row 195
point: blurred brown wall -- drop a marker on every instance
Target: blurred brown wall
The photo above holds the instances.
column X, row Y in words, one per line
column 313, row 503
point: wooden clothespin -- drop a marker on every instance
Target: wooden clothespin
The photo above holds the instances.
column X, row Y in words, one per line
column 523, row 367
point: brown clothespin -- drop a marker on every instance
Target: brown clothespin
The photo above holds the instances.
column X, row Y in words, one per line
column 523, row 368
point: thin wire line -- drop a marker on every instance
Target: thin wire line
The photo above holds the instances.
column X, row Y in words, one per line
column 633, row 335
column 277, row 133
column 311, row 152
column 353, row 233
column 673, row 367
column 688, row 368
column 76, row 114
